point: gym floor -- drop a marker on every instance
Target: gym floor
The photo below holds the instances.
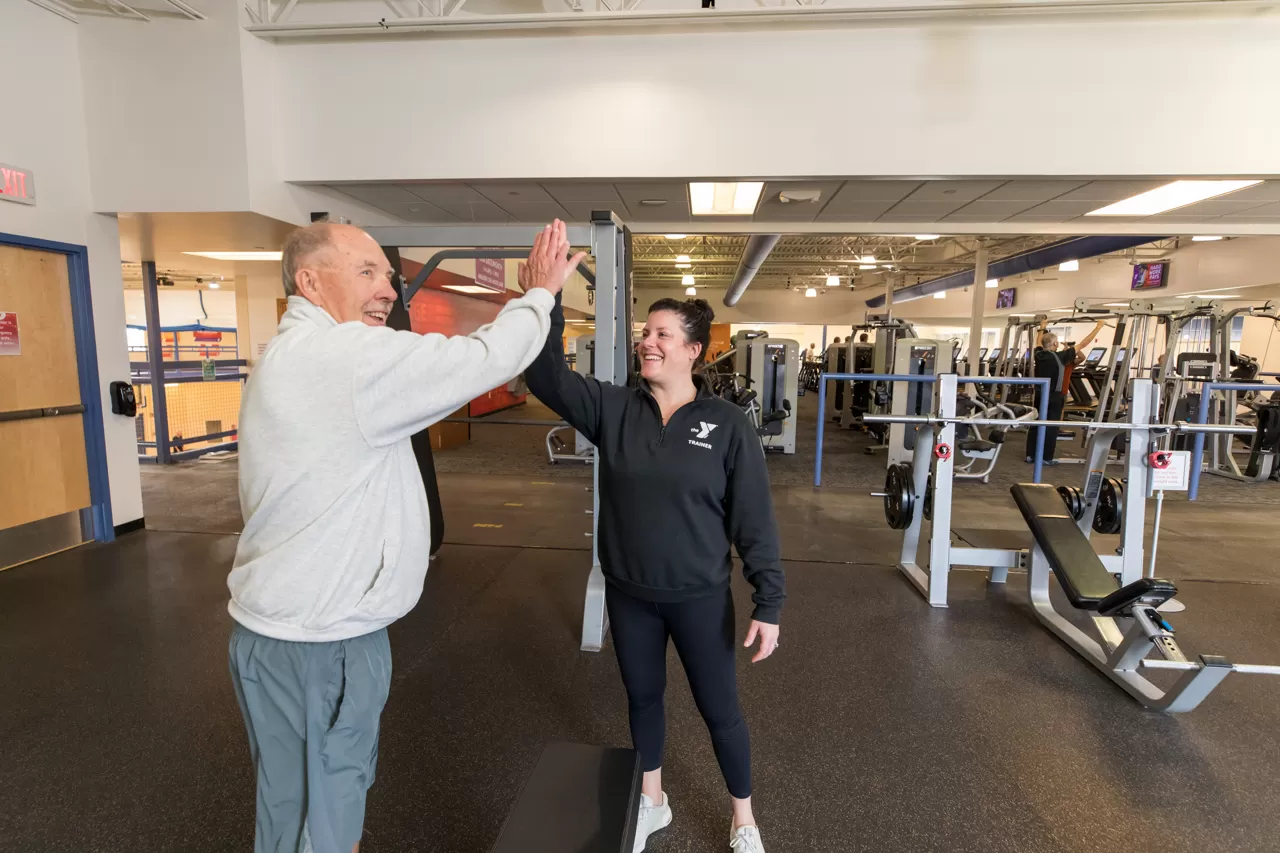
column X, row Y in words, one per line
column 881, row 724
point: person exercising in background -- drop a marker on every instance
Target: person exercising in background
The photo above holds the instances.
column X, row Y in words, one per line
column 862, row 338
column 682, row 478
column 1051, row 364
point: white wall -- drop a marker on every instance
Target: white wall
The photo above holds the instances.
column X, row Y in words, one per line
column 182, row 307
column 256, row 322
column 49, row 138
column 1178, row 94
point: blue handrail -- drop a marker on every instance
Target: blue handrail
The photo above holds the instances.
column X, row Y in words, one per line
column 1197, row 455
column 922, row 378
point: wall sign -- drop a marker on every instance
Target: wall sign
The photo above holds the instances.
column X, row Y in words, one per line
column 17, row 185
column 9, row 342
column 491, row 273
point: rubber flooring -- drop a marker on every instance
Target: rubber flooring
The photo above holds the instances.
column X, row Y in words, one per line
column 881, row 724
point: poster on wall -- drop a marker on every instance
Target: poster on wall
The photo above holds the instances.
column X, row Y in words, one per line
column 9, row 341
column 1005, row 298
column 1150, row 276
column 492, row 273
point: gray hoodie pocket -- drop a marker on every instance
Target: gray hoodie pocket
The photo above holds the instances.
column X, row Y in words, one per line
column 382, row 590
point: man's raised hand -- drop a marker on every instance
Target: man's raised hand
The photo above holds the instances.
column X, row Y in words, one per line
column 549, row 265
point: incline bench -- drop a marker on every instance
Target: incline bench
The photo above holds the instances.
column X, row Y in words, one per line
column 1087, row 583
column 578, row 799
column 1121, row 649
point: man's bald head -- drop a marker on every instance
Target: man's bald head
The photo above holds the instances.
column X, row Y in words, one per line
column 340, row 268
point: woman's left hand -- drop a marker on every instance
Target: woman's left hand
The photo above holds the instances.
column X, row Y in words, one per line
column 768, row 635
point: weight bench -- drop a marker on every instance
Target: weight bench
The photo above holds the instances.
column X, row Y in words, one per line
column 1121, row 647
column 578, row 799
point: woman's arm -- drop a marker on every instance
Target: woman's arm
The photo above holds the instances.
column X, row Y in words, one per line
column 576, row 398
column 752, row 528
column 1088, row 339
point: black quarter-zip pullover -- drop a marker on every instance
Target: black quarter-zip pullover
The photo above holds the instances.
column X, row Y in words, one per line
column 673, row 498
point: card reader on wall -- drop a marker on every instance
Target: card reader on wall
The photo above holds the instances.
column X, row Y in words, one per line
column 122, row 400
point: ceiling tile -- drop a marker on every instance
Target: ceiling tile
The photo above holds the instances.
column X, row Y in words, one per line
column 1269, row 211
column 378, row 195
column 1034, row 191
column 910, row 208
column 517, row 193
column 954, row 193
column 477, row 211
column 984, row 210
column 771, row 207
column 868, row 194
column 574, row 191
column 861, row 212
column 422, row 212
column 445, row 194
column 1109, row 191
column 1058, row 208
column 676, row 196
column 535, row 212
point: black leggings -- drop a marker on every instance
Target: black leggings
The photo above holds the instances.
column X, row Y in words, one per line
column 1056, row 403
column 703, row 631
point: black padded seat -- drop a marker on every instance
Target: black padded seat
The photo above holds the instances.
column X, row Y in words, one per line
column 1084, row 579
column 977, row 445
column 1087, row 583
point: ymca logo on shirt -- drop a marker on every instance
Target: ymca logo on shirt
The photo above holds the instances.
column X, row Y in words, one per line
column 704, row 432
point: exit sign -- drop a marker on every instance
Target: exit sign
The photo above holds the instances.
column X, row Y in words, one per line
column 17, row 185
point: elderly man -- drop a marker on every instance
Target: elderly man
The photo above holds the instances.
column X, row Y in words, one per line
column 336, row 537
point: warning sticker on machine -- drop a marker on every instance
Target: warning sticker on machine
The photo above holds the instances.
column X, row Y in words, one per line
column 1174, row 477
column 1093, row 486
column 9, row 341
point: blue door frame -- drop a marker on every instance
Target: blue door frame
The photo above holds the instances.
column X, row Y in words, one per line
column 95, row 442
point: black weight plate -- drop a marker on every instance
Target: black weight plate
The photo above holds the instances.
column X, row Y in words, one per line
column 1109, row 517
column 927, row 509
column 899, row 497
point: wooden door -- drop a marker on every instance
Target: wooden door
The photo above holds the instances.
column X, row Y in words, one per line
column 44, row 474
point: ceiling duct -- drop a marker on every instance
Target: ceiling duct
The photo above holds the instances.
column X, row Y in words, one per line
column 753, row 257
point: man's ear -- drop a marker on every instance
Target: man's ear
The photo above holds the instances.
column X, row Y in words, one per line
column 306, row 281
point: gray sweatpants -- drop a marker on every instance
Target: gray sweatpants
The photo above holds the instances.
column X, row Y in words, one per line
column 311, row 711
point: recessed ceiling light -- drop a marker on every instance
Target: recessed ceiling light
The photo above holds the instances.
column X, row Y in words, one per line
column 731, row 198
column 682, row 259
column 1171, row 196
column 993, row 283
column 868, row 259
column 941, row 294
column 653, row 202
column 238, row 256
column 833, row 281
column 683, row 266
column 1204, row 239
column 213, row 285
column 675, row 236
column 927, row 236
column 1069, row 266
column 467, row 288
column 686, row 279
column 887, row 266
column 810, row 292
column 691, row 291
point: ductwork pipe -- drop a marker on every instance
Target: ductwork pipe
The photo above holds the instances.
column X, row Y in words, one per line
column 753, row 256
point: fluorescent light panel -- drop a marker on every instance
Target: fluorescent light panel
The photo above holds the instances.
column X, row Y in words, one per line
column 833, row 281
column 686, row 279
column 810, row 292
column 684, row 266
column 469, row 288
column 1171, row 196
column 1204, row 239
column 682, row 259
column 927, row 236
column 993, row 283
column 675, row 236
column 1069, row 266
column 238, row 256
column 730, row 198
column 691, row 291
column 941, row 294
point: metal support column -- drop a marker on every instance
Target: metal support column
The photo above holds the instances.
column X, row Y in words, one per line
column 888, row 302
column 613, row 338
column 975, row 318
column 155, row 360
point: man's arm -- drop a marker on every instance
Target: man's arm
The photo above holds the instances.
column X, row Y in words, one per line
column 404, row 382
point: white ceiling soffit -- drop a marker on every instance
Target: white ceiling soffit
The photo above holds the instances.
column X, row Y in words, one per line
column 991, row 206
column 136, row 10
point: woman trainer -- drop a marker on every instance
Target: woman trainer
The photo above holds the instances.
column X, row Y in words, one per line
column 682, row 477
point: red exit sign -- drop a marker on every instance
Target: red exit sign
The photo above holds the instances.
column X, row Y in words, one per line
column 17, row 185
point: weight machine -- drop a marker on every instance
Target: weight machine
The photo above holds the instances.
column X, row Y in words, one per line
column 1115, row 591
column 609, row 285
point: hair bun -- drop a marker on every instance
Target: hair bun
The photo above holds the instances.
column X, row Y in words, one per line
column 703, row 308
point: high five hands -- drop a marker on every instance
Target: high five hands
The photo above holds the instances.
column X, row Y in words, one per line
column 768, row 635
column 549, row 265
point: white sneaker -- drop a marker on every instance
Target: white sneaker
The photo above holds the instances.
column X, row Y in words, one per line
column 746, row 839
column 652, row 818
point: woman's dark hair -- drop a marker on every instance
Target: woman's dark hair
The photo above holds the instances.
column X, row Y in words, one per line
column 695, row 318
